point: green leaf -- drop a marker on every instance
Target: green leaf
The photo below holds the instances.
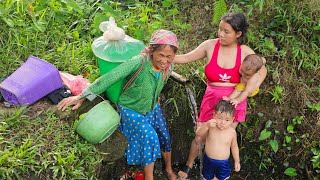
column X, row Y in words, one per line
column 8, row 21
column 158, row 17
column 39, row 25
column 308, row 103
column 268, row 124
column 315, row 151
column 166, row 3
column 75, row 34
column 219, row 9
column 156, row 24
column 265, row 134
column 291, row 172
column 290, row 128
column 274, row 145
column 60, row 49
column 110, row 10
column 74, row 5
column 298, row 120
column 288, row 139
column 139, row 33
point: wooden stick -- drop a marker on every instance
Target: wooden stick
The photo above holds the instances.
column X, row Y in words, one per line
column 178, row 78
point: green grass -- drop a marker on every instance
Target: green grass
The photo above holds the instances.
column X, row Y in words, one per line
column 41, row 144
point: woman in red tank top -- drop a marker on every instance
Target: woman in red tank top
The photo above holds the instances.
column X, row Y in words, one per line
column 224, row 55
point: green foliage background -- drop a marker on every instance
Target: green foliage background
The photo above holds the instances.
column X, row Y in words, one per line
column 281, row 136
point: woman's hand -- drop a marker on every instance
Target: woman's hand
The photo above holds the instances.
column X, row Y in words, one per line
column 226, row 98
column 234, row 102
column 74, row 100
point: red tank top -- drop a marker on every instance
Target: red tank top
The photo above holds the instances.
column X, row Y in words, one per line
column 215, row 73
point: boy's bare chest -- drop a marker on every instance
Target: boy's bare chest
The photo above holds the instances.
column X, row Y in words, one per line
column 220, row 137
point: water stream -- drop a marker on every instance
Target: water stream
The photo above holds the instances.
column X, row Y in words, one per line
column 194, row 113
column 192, row 104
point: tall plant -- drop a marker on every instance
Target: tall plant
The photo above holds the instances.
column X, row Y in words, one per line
column 219, row 9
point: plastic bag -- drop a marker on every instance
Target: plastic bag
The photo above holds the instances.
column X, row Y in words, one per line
column 76, row 84
column 57, row 95
column 115, row 45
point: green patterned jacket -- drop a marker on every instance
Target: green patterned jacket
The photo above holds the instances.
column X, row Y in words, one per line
column 142, row 95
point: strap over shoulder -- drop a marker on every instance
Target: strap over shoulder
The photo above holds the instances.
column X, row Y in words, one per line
column 135, row 75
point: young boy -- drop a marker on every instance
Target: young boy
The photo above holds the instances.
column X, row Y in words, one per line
column 250, row 65
column 221, row 136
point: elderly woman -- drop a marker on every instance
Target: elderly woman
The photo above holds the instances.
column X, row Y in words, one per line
column 142, row 121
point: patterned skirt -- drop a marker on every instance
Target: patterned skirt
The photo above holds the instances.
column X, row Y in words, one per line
column 147, row 135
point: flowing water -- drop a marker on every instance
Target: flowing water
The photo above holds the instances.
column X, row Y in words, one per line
column 192, row 104
column 194, row 112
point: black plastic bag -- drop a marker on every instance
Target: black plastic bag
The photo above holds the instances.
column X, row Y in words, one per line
column 57, row 95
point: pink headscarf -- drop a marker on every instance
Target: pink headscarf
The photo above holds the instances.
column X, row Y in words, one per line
column 162, row 36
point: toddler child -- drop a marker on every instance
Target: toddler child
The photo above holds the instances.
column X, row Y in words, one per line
column 221, row 136
column 250, row 65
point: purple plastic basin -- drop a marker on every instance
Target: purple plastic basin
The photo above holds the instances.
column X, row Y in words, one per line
column 32, row 81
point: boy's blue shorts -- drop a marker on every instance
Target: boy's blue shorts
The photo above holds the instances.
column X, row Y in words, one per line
column 215, row 168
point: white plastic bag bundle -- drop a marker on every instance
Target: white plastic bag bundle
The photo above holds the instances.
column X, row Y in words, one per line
column 115, row 45
column 111, row 31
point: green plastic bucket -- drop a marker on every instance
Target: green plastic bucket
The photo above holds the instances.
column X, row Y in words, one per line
column 114, row 91
column 112, row 54
column 99, row 123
